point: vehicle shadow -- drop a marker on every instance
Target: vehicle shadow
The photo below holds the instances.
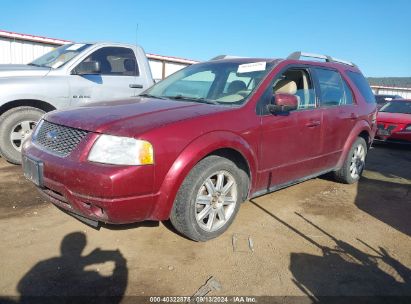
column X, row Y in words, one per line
column 73, row 277
column 345, row 274
column 384, row 191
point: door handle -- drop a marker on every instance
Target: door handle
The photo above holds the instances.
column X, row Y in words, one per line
column 135, row 86
column 313, row 123
column 353, row 116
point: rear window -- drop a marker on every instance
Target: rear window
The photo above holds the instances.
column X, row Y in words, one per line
column 362, row 84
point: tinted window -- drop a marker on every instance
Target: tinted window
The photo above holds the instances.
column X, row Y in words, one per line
column 332, row 91
column 115, row 61
column 362, row 84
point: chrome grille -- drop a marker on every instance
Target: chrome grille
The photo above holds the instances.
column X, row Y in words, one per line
column 60, row 140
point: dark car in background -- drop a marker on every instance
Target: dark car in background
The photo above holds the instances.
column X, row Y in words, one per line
column 394, row 121
column 382, row 99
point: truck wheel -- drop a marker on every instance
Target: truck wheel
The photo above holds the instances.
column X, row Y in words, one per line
column 354, row 163
column 209, row 198
column 15, row 126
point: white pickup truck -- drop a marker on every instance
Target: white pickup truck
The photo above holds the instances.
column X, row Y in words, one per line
column 71, row 75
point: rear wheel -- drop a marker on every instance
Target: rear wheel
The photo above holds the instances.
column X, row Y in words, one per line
column 354, row 163
column 15, row 126
column 209, row 198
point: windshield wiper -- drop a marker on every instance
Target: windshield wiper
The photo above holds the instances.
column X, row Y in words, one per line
column 195, row 99
column 151, row 96
column 36, row 65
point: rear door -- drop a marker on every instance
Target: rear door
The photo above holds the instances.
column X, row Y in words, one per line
column 291, row 144
column 119, row 77
column 339, row 112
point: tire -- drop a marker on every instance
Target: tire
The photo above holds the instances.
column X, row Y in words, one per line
column 16, row 122
column 197, row 198
column 354, row 163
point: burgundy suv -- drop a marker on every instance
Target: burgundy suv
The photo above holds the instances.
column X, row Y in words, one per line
column 196, row 145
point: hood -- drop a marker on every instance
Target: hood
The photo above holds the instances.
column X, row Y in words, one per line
column 130, row 117
column 398, row 118
column 13, row 70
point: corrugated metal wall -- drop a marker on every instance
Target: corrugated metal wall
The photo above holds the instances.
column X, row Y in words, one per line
column 19, row 51
column 403, row 92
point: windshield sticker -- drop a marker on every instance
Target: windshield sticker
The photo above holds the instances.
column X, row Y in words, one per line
column 75, row 47
column 252, row 67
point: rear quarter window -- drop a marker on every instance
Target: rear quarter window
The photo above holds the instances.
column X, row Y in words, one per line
column 362, row 84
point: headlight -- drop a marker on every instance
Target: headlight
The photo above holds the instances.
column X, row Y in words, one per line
column 117, row 150
column 408, row 128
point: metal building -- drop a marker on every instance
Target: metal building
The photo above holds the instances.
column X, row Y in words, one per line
column 386, row 90
column 23, row 48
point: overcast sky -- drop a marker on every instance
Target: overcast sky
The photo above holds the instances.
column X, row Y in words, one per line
column 373, row 34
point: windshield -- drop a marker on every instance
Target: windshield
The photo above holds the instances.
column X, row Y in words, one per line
column 58, row 57
column 216, row 82
column 397, row 107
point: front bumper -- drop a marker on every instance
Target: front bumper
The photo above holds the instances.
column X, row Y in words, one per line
column 397, row 137
column 100, row 192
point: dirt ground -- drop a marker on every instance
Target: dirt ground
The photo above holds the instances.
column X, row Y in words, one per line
column 314, row 239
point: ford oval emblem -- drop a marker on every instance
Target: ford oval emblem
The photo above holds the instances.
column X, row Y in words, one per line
column 52, row 135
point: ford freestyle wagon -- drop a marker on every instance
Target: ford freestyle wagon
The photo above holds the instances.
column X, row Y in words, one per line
column 196, row 145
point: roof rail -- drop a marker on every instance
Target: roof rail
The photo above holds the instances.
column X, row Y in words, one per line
column 225, row 57
column 298, row 55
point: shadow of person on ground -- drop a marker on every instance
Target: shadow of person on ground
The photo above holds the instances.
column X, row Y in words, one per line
column 384, row 191
column 71, row 277
column 388, row 202
column 345, row 271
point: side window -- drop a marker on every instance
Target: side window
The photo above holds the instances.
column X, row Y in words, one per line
column 363, row 86
column 348, row 97
column 332, row 92
column 296, row 82
column 118, row 61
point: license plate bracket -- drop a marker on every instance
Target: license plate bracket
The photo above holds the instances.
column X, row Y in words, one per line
column 33, row 170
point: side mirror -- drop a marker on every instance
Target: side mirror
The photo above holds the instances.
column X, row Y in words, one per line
column 283, row 103
column 87, row 68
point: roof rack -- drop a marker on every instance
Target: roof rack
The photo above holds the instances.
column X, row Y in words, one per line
column 225, row 57
column 298, row 55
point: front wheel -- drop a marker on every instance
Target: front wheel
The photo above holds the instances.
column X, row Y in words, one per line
column 15, row 126
column 209, row 198
column 354, row 163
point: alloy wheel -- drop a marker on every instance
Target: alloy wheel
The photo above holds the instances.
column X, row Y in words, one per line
column 216, row 201
column 20, row 132
column 357, row 161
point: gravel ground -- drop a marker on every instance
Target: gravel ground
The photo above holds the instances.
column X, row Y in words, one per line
column 314, row 239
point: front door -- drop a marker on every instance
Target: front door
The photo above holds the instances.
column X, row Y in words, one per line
column 119, row 77
column 291, row 144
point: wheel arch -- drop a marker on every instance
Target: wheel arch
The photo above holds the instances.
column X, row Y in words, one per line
column 39, row 104
column 361, row 129
column 221, row 143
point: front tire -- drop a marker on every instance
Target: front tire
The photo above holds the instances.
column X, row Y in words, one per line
column 354, row 163
column 15, row 126
column 209, row 198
